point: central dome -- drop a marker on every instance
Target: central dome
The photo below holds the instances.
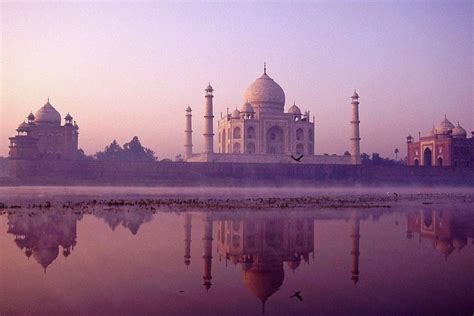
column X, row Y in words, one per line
column 265, row 94
column 48, row 114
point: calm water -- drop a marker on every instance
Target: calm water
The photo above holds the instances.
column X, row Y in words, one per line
column 124, row 260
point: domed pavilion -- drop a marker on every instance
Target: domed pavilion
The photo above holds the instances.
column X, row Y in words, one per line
column 445, row 145
column 43, row 137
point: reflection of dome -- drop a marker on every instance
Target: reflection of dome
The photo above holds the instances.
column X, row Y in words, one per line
column 444, row 127
column 246, row 108
column 294, row 264
column 264, row 283
column 444, row 247
column 236, row 114
column 264, row 277
column 48, row 114
column 45, row 256
column 294, row 109
column 459, row 242
column 459, row 132
column 265, row 93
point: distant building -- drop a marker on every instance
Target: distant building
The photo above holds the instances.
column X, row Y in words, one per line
column 260, row 131
column 445, row 145
column 43, row 137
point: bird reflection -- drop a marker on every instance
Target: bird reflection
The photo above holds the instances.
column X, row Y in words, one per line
column 446, row 231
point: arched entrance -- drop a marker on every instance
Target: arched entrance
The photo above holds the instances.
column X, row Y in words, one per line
column 275, row 141
column 417, row 163
column 427, row 156
column 440, row 161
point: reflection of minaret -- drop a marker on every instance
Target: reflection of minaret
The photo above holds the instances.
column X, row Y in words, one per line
column 207, row 246
column 187, row 239
column 355, row 236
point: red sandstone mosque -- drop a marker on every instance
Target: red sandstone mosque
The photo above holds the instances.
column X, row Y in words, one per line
column 43, row 137
column 445, row 145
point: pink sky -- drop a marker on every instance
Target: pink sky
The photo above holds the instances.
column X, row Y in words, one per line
column 124, row 69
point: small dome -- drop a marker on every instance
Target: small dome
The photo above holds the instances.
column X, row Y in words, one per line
column 31, row 117
column 246, row 108
column 209, row 88
column 188, row 109
column 236, row 114
column 48, row 114
column 23, row 127
column 445, row 127
column 294, row 109
column 355, row 95
column 459, row 132
column 68, row 117
column 294, row 264
column 266, row 93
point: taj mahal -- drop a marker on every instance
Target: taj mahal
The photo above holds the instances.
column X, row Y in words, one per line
column 262, row 132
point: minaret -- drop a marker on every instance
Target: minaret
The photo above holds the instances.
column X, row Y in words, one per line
column 188, row 146
column 355, row 139
column 355, row 236
column 187, row 239
column 207, row 241
column 209, row 122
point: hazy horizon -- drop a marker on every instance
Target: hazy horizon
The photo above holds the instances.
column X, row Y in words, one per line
column 124, row 69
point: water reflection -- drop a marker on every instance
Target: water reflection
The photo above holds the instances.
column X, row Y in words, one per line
column 443, row 229
column 265, row 246
column 262, row 244
column 42, row 235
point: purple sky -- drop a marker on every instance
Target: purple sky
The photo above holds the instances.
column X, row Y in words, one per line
column 124, row 69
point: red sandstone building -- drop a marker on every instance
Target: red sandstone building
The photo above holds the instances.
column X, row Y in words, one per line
column 445, row 145
column 43, row 137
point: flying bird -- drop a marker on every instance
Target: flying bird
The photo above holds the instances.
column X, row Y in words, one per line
column 297, row 295
column 297, row 158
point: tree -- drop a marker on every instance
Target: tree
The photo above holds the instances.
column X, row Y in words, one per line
column 346, row 153
column 376, row 159
column 365, row 159
column 132, row 150
column 396, row 151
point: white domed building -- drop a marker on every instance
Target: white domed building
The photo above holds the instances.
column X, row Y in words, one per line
column 43, row 136
column 445, row 145
column 260, row 131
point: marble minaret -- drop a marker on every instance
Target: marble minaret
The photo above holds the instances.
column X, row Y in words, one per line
column 188, row 146
column 355, row 139
column 209, row 122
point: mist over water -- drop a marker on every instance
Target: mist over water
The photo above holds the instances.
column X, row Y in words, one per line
column 234, row 251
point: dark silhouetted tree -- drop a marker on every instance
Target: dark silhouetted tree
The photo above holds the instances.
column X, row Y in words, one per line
column 131, row 151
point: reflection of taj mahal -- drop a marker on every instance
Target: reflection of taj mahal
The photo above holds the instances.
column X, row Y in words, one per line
column 261, row 246
column 261, row 132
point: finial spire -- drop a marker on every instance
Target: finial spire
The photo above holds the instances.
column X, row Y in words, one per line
column 48, row 99
column 265, row 67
